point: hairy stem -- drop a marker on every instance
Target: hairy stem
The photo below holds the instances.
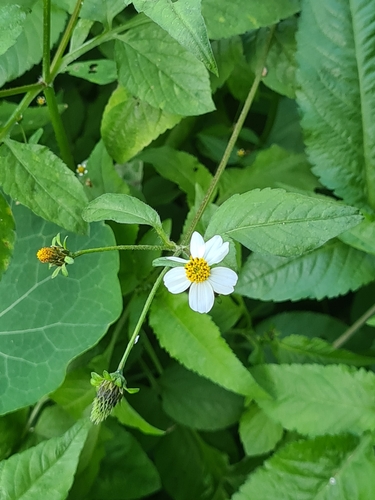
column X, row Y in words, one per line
column 46, row 39
column 74, row 255
column 16, row 116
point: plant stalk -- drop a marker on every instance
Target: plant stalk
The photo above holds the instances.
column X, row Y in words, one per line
column 354, row 328
column 46, row 39
column 74, row 255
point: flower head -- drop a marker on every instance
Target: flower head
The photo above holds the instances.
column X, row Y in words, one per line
column 198, row 274
column 81, row 169
column 56, row 255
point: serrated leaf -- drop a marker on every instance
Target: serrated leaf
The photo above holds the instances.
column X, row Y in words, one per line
column 99, row 71
column 225, row 19
column 7, row 235
column 195, row 341
column 300, row 349
column 281, row 223
column 27, row 50
column 102, row 10
column 179, row 167
column 336, row 97
column 34, row 176
column 180, row 83
column 258, row 433
column 127, row 415
column 183, row 393
column 12, row 19
column 184, row 22
column 331, row 270
column 325, row 468
column 45, row 323
column 128, row 125
column 37, row 468
column 121, row 208
column 316, row 400
column 361, row 237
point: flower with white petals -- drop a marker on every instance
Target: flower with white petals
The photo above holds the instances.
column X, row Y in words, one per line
column 198, row 274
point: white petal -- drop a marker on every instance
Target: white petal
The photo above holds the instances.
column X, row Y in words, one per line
column 176, row 281
column 201, row 297
column 223, row 280
column 197, row 245
column 177, row 259
column 216, row 250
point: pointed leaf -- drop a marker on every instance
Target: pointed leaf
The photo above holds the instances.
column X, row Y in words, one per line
column 12, row 19
column 45, row 323
column 34, row 176
column 195, row 341
column 48, row 467
column 7, row 235
column 281, row 223
column 180, row 83
column 127, row 415
column 336, row 95
column 325, row 468
column 331, row 270
column 315, row 400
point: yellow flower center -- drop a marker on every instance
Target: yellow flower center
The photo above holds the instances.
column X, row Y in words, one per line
column 197, row 270
column 46, row 254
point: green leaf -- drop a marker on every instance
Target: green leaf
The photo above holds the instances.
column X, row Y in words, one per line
column 281, row 223
column 102, row 10
column 273, row 167
column 27, row 50
column 336, row 95
column 315, row 400
column 183, row 392
column 227, row 52
column 11, row 430
column 126, row 415
column 99, row 71
column 331, row 270
column 225, row 19
column 76, row 393
column 325, row 468
column 128, row 125
column 7, row 235
column 45, row 323
column 121, row 208
column 180, row 83
column 179, row 167
column 300, row 349
column 37, row 468
column 184, row 22
column 361, row 237
column 194, row 340
column 259, row 434
column 37, row 178
column 12, row 19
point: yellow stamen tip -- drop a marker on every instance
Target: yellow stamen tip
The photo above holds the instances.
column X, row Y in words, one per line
column 197, row 270
column 45, row 254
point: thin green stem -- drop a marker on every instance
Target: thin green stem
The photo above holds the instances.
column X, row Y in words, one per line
column 354, row 328
column 33, row 415
column 21, row 90
column 58, row 128
column 232, row 141
column 55, row 66
column 141, row 319
column 46, row 39
column 150, row 351
column 74, row 255
column 16, row 116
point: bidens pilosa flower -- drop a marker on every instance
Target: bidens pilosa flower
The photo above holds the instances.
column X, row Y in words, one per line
column 56, row 255
column 198, row 274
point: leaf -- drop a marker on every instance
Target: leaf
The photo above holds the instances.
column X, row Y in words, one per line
column 123, row 209
column 184, row 22
column 316, row 400
column 325, row 468
column 27, row 50
column 128, row 125
column 179, row 167
column 102, row 10
column 12, row 19
column 361, row 237
column 336, row 95
column 194, row 340
column 259, row 434
column 183, row 393
column 76, row 393
column 225, row 19
column 126, row 415
column 7, row 235
column 180, row 83
column 300, row 349
column 99, row 71
column 37, row 178
column 37, row 468
column 331, row 270
column 281, row 223
column 227, row 53
column 45, row 323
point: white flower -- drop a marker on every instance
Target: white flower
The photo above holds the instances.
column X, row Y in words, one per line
column 198, row 274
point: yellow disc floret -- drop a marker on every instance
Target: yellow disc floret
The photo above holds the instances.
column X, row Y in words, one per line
column 45, row 254
column 53, row 255
column 197, row 270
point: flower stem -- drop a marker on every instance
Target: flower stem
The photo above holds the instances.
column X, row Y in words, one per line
column 16, row 116
column 354, row 328
column 74, row 255
column 232, row 141
column 21, row 90
column 46, row 39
